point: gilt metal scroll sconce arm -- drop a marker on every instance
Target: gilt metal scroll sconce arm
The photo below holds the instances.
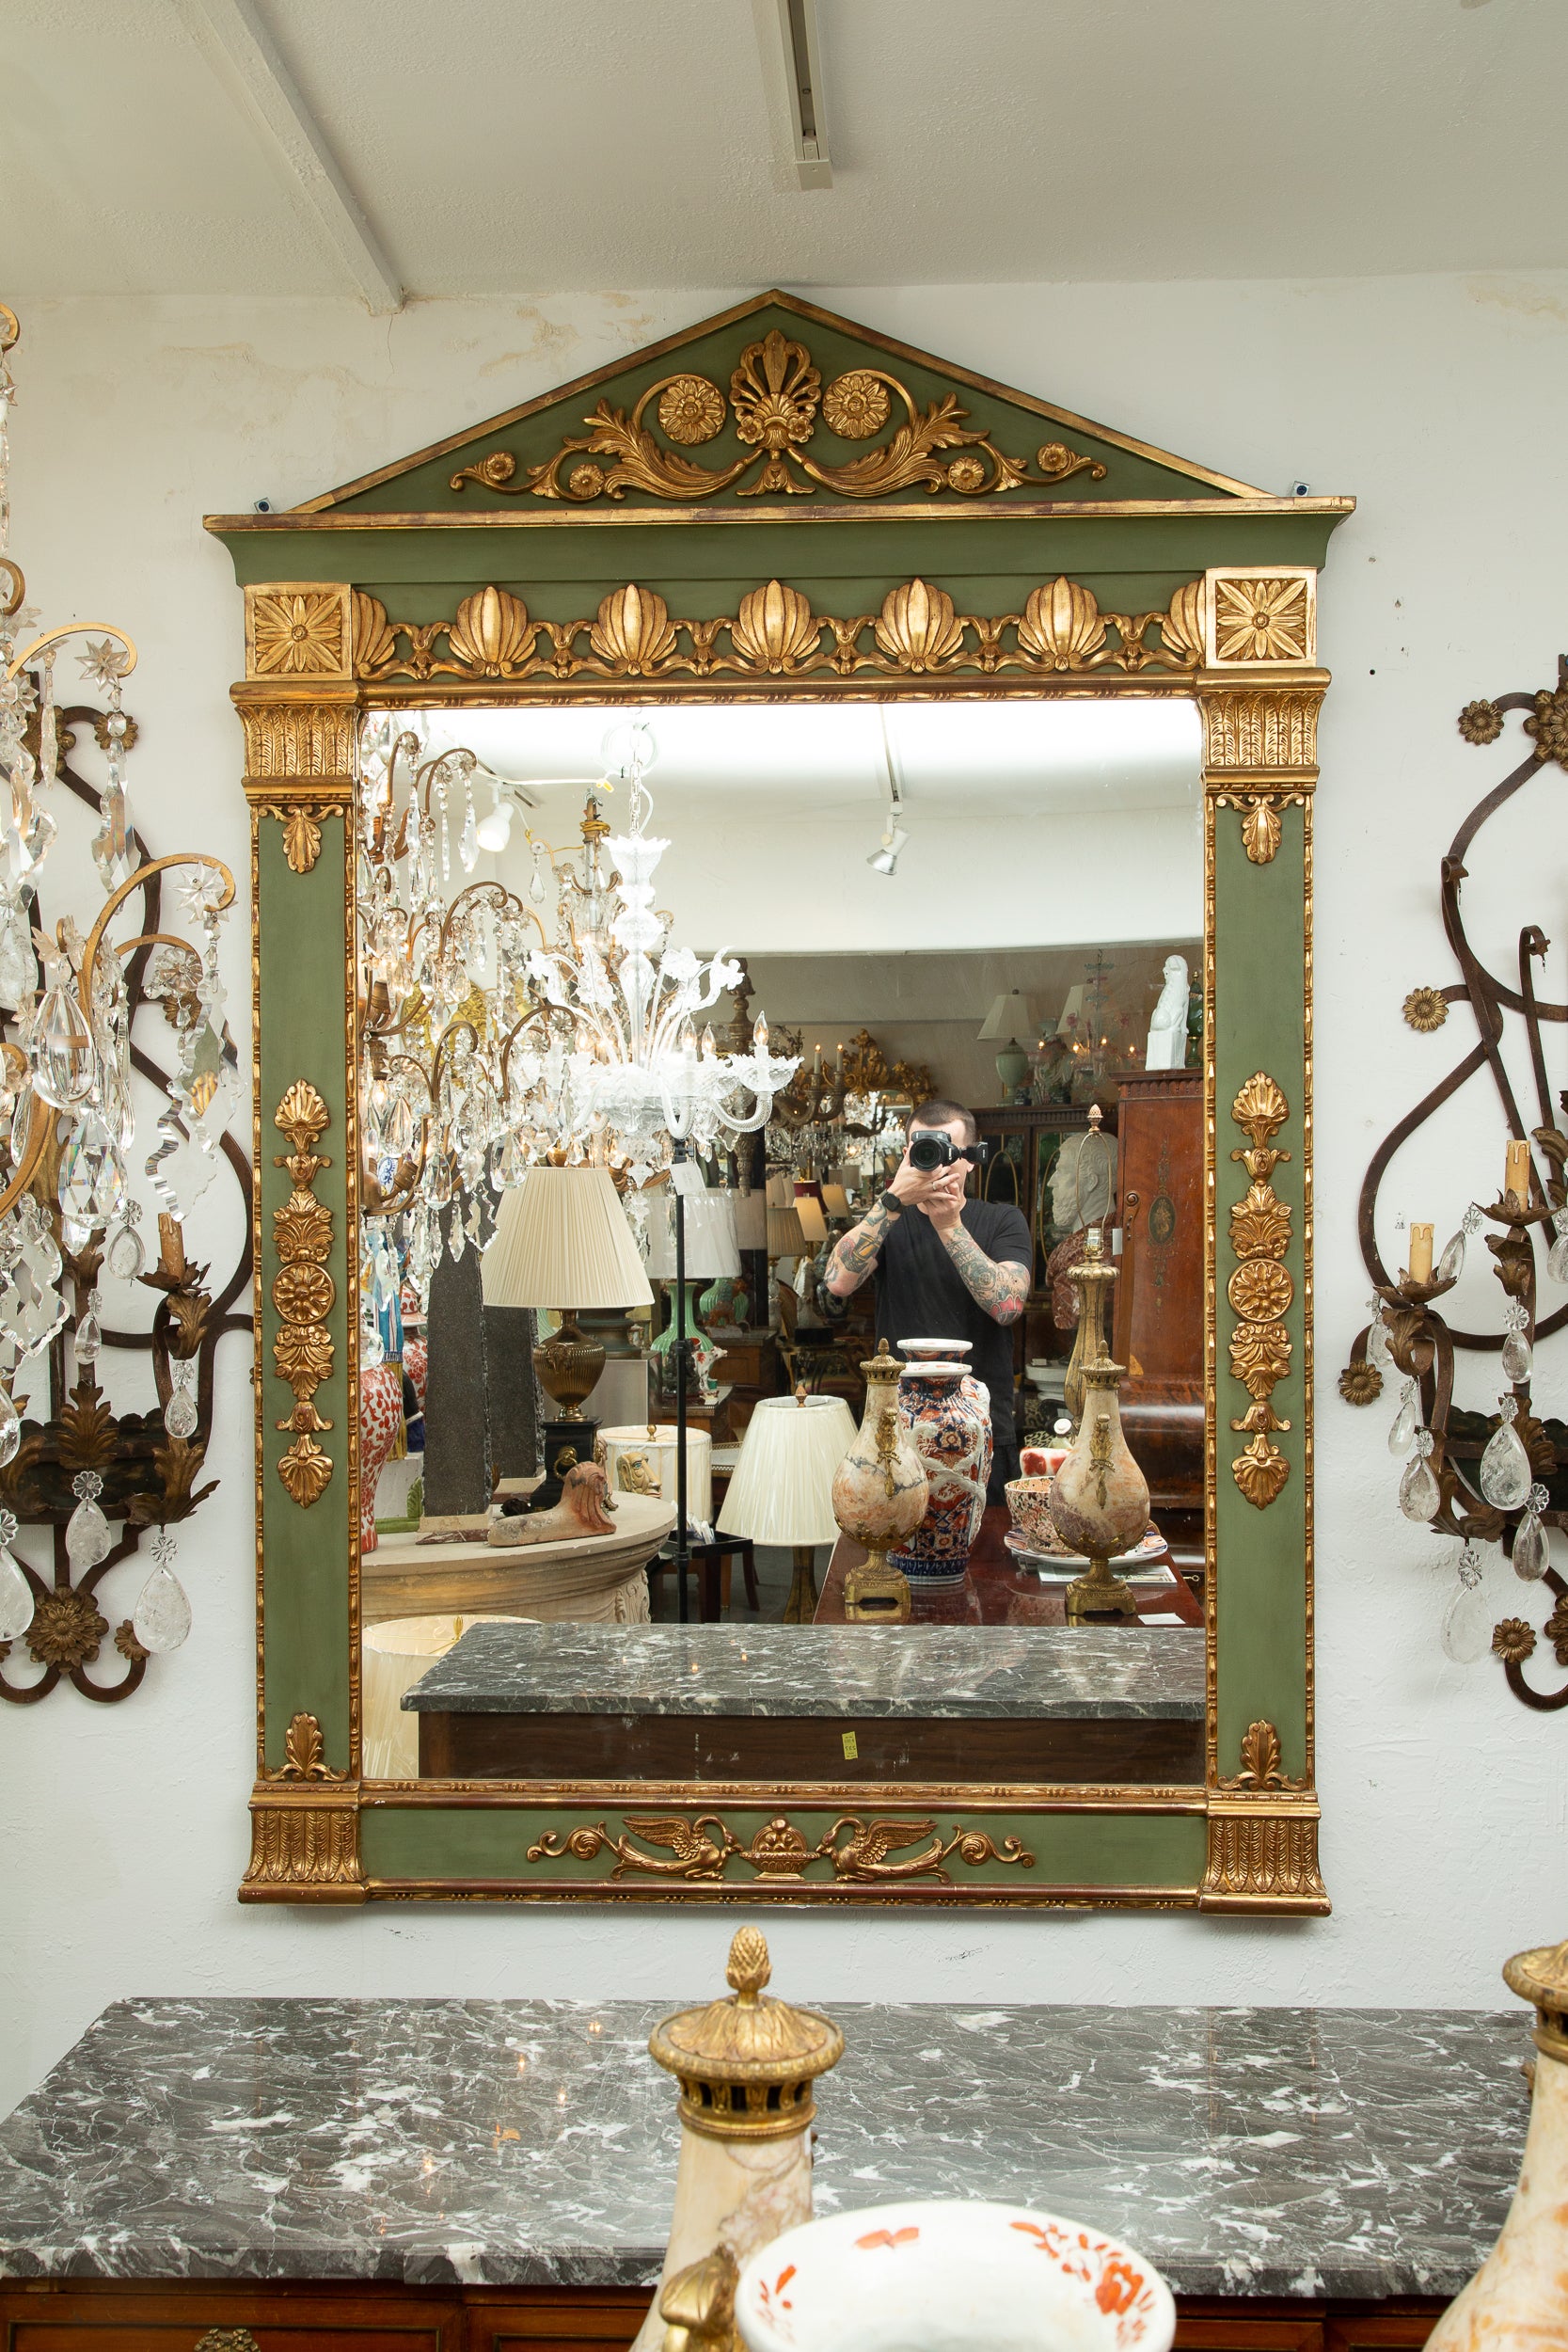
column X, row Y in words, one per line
column 1501, row 1478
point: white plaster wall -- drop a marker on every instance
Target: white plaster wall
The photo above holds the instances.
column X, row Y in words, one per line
column 1439, row 403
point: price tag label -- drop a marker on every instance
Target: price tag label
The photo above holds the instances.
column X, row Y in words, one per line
column 852, row 1747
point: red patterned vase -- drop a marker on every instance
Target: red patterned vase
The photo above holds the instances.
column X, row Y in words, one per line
column 947, row 1413
column 380, row 1419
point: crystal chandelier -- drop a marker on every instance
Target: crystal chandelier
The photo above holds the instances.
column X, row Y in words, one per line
column 68, row 1123
column 639, row 1080
column 490, row 1042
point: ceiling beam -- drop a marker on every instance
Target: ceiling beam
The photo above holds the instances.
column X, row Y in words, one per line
column 231, row 34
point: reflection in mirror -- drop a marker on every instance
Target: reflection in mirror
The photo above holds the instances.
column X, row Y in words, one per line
column 704, row 1049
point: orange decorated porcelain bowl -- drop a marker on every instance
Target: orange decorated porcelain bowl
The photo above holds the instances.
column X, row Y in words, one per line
column 945, row 2277
column 1028, row 1507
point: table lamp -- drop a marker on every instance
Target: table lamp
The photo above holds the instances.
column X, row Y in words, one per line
column 712, row 1257
column 1012, row 1015
column 782, row 1489
column 562, row 1242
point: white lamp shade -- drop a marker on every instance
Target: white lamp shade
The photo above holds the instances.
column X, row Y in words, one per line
column 782, row 1491
column 751, row 1220
column 780, row 1192
column 1013, row 1014
column 1071, row 1010
column 563, row 1240
column 712, row 1253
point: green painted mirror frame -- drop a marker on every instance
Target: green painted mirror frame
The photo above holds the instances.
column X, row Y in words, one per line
column 778, row 502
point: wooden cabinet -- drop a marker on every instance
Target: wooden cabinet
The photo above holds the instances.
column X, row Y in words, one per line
column 1158, row 1330
column 273, row 2315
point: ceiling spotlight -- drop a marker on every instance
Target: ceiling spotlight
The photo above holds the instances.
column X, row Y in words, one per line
column 885, row 860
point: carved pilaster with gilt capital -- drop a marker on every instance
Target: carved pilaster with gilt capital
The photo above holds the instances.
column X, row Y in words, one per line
column 298, row 707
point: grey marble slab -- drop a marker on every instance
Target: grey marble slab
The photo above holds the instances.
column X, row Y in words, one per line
column 1355, row 2153
column 794, row 1670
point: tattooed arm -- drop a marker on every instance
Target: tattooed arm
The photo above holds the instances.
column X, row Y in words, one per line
column 1001, row 1289
column 856, row 1253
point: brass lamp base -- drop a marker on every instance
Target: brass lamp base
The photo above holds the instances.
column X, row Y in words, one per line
column 1097, row 1594
column 569, row 1365
column 876, row 1593
column 801, row 1607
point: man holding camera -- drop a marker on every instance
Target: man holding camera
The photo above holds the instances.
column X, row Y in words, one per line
column 946, row 1268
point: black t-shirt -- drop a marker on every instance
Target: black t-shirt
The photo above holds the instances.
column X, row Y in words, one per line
column 921, row 1294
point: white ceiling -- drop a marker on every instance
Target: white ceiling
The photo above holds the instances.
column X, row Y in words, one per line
column 493, row 146
column 967, row 760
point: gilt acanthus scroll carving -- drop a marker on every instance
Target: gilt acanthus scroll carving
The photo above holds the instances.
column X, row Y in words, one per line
column 1260, row 1291
column 777, row 401
column 917, row 632
column 703, row 1847
column 302, row 1291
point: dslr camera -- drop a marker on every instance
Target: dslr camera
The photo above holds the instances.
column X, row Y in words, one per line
column 931, row 1148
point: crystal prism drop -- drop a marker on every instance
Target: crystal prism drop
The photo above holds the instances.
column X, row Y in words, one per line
column 90, row 1338
column 1516, row 1357
column 1450, row 1266
column 162, row 1613
column 1379, row 1353
column 467, row 847
column 10, row 1429
column 1529, row 1549
column 87, row 1532
column 180, row 1414
column 16, row 1597
column 125, row 1257
column 64, row 1064
column 1466, row 1630
column 1420, row 1497
column 1404, row 1420
column 1505, row 1471
column 1557, row 1259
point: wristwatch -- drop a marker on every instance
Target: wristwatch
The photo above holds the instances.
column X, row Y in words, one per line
column 890, row 1202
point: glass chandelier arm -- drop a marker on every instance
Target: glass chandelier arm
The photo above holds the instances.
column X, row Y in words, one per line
column 74, row 629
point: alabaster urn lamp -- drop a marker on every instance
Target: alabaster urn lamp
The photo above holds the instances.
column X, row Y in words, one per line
column 1519, row 2295
column 746, row 2067
column 1099, row 1497
column 879, row 1494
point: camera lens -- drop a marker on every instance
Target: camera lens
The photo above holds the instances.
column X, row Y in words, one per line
column 930, row 1151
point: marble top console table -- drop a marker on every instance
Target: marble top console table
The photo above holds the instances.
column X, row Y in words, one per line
column 1080, row 1704
column 453, row 2176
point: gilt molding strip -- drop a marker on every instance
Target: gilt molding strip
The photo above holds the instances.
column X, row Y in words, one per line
column 304, row 1293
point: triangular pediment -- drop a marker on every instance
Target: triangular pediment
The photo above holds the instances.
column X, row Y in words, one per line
column 778, row 404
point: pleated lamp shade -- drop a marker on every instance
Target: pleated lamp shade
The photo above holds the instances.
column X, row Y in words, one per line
column 712, row 1253
column 563, row 1240
column 808, row 1208
column 784, row 1237
column 780, row 1192
column 782, row 1491
column 751, row 1220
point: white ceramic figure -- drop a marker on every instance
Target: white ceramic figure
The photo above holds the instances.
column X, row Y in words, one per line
column 1167, row 1031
